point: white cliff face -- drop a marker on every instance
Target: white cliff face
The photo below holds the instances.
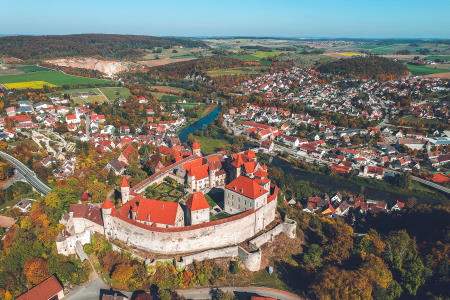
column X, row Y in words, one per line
column 110, row 68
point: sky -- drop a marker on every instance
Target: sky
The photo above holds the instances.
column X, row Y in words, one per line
column 280, row 18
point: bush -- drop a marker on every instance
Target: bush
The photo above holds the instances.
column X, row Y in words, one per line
column 234, row 267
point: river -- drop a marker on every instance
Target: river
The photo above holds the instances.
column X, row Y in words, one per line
column 200, row 124
column 333, row 184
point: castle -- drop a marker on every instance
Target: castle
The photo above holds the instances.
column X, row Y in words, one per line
column 182, row 227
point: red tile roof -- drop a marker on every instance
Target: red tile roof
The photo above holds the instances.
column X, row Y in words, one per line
column 88, row 211
column 125, row 182
column 199, row 172
column 107, row 204
column 197, row 201
column 155, row 211
column 246, row 187
column 196, row 145
column 43, row 291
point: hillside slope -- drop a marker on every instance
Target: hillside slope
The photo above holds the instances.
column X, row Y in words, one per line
column 113, row 46
column 366, row 67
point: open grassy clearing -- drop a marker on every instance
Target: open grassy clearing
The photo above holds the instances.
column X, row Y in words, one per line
column 184, row 56
column 89, row 99
column 211, row 145
column 438, row 57
column 231, row 72
column 114, row 93
column 425, row 70
column 33, row 68
column 413, row 119
column 56, row 78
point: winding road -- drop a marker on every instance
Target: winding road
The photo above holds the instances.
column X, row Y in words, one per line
column 241, row 292
column 28, row 174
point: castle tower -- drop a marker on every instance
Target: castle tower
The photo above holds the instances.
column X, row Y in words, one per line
column 196, row 148
column 107, row 208
column 125, row 190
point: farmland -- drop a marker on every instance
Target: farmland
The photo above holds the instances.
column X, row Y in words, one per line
column 231, row 72
column 114, row 93
column 28, row 85
column 438, row 57
column 257, row 56
column 425, row 70
column 55, row 78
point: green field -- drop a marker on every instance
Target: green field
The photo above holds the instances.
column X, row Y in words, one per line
column 231, row 72
column 425, row 70
column 114, row 93
column 441, row 57
column 257, row 56
column 30, row 69
column 183, row 57
column 54, row 77
column 171, row 98
column 211, row 145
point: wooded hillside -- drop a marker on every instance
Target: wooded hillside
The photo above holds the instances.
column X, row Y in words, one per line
column 113, row 46
column 366, row 67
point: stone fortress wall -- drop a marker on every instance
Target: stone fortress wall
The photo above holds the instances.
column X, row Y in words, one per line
column 250, row 259
column 214, row 234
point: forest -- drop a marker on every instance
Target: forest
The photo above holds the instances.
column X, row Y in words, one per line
column 369, row 67
column 113, row 46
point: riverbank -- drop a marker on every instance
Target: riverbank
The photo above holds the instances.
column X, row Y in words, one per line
column 200, row 123
column 372, row 188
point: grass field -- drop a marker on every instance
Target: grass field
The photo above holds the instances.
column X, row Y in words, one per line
column 89, row 99
column 441, row 57
column 114, row 93
column 257, row 56
column 231, row 72
column 183, row 56
column 211, row 145
column 56, row 78
column 29, row 85
column 30, row 69
column 425, row 70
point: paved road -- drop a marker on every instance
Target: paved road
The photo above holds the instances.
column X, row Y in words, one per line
column 28, row 174
column 205, row 293
column 89, row 291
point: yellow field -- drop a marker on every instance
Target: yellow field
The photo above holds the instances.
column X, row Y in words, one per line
column 28, row 85
column 350, row 54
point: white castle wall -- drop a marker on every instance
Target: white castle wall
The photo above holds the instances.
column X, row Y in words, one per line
column 288, row 227
column 191, row 238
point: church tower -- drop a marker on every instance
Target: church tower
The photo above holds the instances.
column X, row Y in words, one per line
column 125, row 190
column 196, row 149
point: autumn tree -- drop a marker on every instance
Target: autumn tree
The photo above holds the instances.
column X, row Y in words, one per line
column 36, row 270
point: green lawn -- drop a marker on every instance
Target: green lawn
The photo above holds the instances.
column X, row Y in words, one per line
column 221, row 215
column 257, row 56
column 211, row 145
column 54, row 77
column 425, row 70
column 114, row 93
column 164, row 191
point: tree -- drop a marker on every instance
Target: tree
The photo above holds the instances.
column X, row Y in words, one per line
column 234, row 267
column 336, row 283
column 340, row 242
column 36, row 270
column 313, row 256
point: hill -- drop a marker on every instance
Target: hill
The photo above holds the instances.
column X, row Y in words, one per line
column 365, row 68
column 112, row 46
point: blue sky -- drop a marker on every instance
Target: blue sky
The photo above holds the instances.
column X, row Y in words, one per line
column 290, row 18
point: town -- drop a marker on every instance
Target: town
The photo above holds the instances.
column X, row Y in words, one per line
column 164, row 178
